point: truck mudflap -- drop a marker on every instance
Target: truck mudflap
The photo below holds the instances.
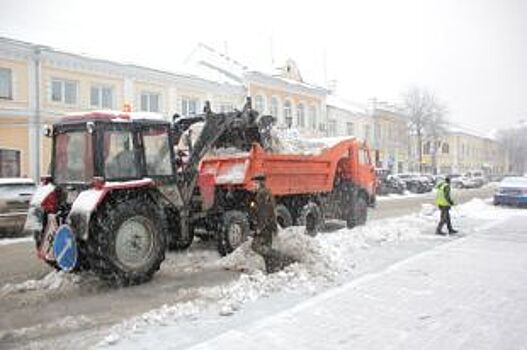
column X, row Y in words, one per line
column 87, row 202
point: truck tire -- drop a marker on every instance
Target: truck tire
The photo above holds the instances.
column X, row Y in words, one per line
column 234, row 231
column 127, row 241
column 311, row 217
column 358, row 213
column 283, row 216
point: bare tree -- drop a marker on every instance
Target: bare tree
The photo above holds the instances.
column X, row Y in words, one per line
column 514, row 141
column 426, row 120
column 435, row 129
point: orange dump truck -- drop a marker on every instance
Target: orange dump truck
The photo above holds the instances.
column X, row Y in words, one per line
column 337, row 183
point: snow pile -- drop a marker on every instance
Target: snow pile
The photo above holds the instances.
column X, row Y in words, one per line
column 291, row 141
column 227, row 151
column 64, row 323
column 56, row 280
column 7, row 241
column 322, row 262
column 315, row 257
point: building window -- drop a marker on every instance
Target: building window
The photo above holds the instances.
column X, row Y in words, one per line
column 300, row 115
column 274, row 107
column 259, row 103
column 6, row 83
column 189, row 106
column 150, row 102
column 312, row 115
column 9, row 163
column 64, row 91
column 332, row 127
column 350, row 128
column 288, row 117
column 426, row 147
column 101, row 96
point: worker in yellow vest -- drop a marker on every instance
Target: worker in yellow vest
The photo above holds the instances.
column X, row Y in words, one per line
column 444, row 202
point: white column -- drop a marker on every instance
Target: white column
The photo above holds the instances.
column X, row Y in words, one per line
column 34, row 118
column 129, row 94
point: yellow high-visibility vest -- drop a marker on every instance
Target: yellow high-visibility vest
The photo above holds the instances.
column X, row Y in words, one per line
column 440, row 195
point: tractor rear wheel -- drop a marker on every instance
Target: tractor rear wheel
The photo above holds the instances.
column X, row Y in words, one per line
column 127, row 242
column 234, row 231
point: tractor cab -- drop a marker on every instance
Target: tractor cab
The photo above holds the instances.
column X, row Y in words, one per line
column 111, row 146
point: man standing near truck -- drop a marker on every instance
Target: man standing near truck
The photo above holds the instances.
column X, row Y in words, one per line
column 444, row 202
column 264, row 213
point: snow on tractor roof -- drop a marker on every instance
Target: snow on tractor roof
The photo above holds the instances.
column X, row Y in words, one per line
column 111, row 115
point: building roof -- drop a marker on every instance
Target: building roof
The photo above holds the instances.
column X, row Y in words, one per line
column 206, row 61
column 344, row 104
column 461, row 129
column 112, row 66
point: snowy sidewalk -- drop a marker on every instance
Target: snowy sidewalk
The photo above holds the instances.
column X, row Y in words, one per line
column 468, row 294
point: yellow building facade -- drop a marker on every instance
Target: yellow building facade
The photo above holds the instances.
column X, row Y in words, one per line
column 461, row 151
column 38, row 85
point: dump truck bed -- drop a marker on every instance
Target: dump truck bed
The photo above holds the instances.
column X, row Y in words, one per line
column 287, row 174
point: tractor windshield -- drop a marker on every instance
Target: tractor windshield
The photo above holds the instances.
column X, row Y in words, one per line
column 120, row 160
column 73, row 161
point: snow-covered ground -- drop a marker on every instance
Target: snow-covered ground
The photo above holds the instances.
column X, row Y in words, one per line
column 325, row 261
column 197, row 311
column 6, row 241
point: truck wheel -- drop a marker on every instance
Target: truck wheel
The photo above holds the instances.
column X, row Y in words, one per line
column 283, row 216
column 127, row 242
column 311, row 217
column 234, row 231
column 358, row 214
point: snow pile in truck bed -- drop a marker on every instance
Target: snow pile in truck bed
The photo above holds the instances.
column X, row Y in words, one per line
column 291, row 141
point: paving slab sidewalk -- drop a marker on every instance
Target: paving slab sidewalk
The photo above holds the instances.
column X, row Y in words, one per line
column 467, row 294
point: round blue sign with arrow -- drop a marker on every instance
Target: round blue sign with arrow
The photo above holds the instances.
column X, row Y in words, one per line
column 65, row 248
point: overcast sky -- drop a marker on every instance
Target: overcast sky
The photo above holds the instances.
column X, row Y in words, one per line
column 471, row 53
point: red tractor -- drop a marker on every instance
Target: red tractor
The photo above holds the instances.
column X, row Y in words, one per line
column 119, row 193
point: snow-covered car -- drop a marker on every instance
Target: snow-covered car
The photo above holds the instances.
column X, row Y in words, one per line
column 477, row 177
column 512, row 191
column 461, row 181
column 415, row 182
column 387, row 183
column 15, row 194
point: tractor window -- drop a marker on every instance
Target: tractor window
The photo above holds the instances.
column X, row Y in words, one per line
column 73, row 157
column 119, row 155
column 157, row 152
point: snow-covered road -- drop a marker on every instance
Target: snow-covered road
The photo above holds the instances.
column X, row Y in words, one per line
column 469, row 294
column 371, row 255
column 193, row 292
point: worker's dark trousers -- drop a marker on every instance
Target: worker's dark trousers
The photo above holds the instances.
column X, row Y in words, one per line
column 445, row 219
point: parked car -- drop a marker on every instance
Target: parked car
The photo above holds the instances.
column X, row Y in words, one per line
column 415, row 182
column 477, row 177
column 512, row 191
column 461, row 181
column 15, row 194
column 387, row 183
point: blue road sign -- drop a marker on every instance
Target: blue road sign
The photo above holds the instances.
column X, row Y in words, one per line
column 64, row 248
